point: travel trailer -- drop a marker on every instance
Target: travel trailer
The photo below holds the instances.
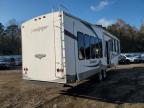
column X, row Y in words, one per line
column 58, row 47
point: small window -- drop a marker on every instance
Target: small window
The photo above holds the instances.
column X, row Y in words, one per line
column 111, row 45
column 93, row 47
column 115, row 46
column 97, row 47
column 81, row 46
column 87, row 46
column 100, row 49
column 118, row 47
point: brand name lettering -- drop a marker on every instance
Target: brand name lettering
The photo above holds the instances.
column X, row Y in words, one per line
column 40, row 29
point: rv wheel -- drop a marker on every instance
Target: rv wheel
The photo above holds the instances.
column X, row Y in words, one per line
column 100, row 76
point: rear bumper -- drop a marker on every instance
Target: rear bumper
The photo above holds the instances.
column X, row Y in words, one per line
column 63, row 81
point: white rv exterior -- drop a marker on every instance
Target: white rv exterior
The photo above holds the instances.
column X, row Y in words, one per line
column 58, row 47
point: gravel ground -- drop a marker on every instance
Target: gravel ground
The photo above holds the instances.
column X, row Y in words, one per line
column 121, row 89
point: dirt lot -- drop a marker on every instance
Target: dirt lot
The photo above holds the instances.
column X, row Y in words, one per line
column 121, row 89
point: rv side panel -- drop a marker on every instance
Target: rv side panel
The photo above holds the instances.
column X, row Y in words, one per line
column 80, row 69
column 70, row 48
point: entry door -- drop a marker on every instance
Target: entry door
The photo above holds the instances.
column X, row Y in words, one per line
column 107, row 52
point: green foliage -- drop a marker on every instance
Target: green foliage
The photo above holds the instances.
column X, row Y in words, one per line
column 142, row 29
column 10, row 40
column 132, row 40
column 1, row 29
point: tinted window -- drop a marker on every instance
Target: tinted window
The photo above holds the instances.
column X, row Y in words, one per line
column 110, row 45
column 100, row 48
column 87, row 46
column 97, row 47
column 122, row 57
column 118, row 47
column 115, row 46
column 4, row 60
column 129, row 55
column 81, row 46
column 93, row 47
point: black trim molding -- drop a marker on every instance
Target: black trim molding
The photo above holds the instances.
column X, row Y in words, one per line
column 69, row 34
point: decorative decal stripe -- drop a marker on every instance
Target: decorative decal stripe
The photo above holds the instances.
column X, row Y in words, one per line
column 90, row 28
column 96, row 65
column 110, row 36
column 69, row 34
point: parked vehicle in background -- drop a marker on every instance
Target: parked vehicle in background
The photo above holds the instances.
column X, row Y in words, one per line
column 12, row 62
column 7, row 62
column 136, row 57
column 126, row 58
column 18, row 60
column 131, row 58
column 123, row 60
column 142, row 57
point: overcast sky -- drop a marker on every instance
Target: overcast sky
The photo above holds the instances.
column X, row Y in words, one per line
column 103, row 12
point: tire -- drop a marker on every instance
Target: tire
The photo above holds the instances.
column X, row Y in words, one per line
column 127, row 61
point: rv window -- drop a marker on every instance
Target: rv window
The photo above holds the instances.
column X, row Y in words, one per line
column 111, row 45
column 97, row 47
column 100, row 49
column 87, row 46
column 81, row 46
column 93, row 47
column 115, row 46
column 118, row 47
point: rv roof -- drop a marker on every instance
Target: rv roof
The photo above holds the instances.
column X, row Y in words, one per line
column 104, row 30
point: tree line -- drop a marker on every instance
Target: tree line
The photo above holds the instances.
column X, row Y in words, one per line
column 131, row 38
column 10, row 39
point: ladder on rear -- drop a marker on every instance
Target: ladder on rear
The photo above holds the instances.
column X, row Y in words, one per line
column 61, row 74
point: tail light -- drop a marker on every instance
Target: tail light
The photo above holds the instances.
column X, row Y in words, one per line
column 60, row 15
column 25, row 70
column 60, row 70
